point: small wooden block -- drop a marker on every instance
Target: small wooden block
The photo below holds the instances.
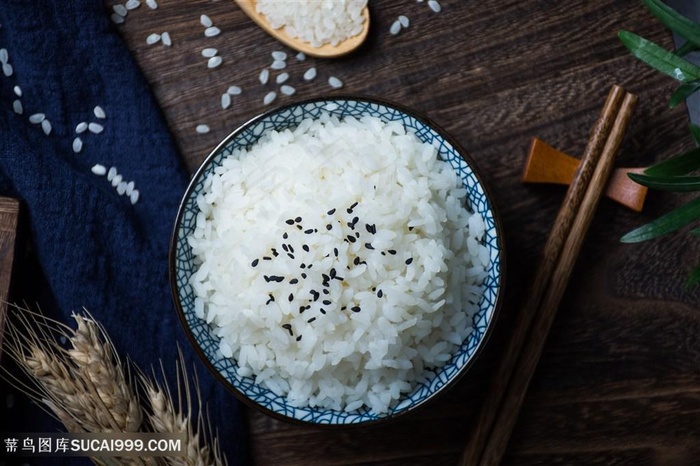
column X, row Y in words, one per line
column 545, row 164
column 9, row 219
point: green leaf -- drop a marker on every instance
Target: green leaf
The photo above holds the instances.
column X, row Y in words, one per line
column 668, row 223
column 695, row 131
column 659, row 58
column 693, row 277
column 668, row 183
column 676, row 166
column 673, row 20
column 683, row 92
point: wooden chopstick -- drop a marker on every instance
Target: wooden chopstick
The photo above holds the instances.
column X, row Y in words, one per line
column 497, row 417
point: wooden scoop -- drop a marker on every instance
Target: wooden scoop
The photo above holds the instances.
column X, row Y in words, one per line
column 545, row 164
column 325, row 51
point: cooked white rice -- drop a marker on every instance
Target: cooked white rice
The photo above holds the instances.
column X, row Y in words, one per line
column 336, row 261
column 318, row 22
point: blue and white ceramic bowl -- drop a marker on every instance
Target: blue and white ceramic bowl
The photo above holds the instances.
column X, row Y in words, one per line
column 182, row 261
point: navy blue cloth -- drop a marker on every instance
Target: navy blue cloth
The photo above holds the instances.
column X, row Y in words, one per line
column 94, row 248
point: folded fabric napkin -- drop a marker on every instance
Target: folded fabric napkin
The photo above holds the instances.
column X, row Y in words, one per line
column 73, row 101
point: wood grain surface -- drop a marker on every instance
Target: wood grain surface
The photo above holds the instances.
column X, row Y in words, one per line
column 619, row 378
column 9, row 222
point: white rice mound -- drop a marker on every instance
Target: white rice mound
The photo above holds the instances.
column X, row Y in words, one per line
column 325, row 320
column 318, row 22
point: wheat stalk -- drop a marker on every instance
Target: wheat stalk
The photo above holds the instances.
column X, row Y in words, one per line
column 88, row 389
column 165, row 417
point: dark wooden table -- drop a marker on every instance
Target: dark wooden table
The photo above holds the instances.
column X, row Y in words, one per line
column 619, row 380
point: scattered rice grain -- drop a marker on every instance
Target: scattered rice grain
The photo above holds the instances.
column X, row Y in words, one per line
column 206, row 21
column 132, row 4
column 202, row 129
column 82, row 126
column 153, row 38
column 269, row 98
column 264, row 76
column 95, row 128
column 395, row 27
column 78, row 146
column 209, row 52
column 121, row 188
column 116, row 19
column 279, row 55
column 167, row 41
column 4, row 56
column 278, row 65
column 99, row 112
column 17, row 90
column 405, row 22
column 120, row 10
column 281, row 78
column 301, row 56
column 310, row 74
column 234, row 90
column 7, row 69
column 116, row 180
column 213, row 62
column 287, row 90
column 17, row 107
column 37, row 118
column 129, row 188
column 335, row 82
column 99, row 170
column 434, row 5
column 111, row 173
column 152, row 4
column 134, row 196
column 212, row 31
column 225, row 100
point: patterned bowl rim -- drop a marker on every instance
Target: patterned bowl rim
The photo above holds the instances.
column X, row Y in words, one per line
column 497, row 303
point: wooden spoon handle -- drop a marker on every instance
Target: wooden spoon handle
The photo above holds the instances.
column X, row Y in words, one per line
column 545, row 164
column 9, row 219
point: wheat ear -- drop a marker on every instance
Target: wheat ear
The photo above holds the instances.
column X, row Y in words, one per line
column 165, row 416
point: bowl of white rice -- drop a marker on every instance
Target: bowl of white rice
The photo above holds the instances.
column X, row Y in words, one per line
column 337, row 261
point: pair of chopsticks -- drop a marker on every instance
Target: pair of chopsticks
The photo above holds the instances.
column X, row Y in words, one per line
column 489, row 439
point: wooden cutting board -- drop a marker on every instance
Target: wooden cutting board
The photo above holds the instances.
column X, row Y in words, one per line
column 9, row 219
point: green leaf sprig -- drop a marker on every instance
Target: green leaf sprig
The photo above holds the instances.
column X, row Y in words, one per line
column 676, row 173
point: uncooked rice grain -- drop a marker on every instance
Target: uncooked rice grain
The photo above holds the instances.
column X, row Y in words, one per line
column 95, row 128
column 213, row 62
column 287, row 90
column 212, row 31
column 17, row 106
column 234, row 90
column 209, row 52
column 264, row 76
column 99, row 170
column 313, row 21
column 99, row 112
column 206, row 21
column 152, row 38
column 273, row 236
column 78, row 145
column 202, row 129
column 335, row 82
column 269, row 97
column 167, row 40
column 310, row 74
column 81, row 127
column 281, row 78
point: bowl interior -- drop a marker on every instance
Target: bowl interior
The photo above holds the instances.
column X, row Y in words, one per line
column 183, row 264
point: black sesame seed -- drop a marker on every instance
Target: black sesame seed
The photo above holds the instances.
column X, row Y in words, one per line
column 288, row 327
column 289, row 221
column 284, row 246
column 298, row 219
column 311, row 320
column 351, row 238
column 299, row 338
column 356, row 261
column 305, row 247
column 383, row 253
column 322, row 311
column 270, row 299
column 303, row 275
column 331, row 212
column 409, row 260
column 267, row 279
column 299, row 227
column 303, row 266
column 309, row 231
column 285, row 235
column 355, row 220
column 293, row 281
column 338, row 277
column 335, row 252
column 311, row 265
column 325, row 277
column 343, row 308
column 326, row 302
column 302, row 309
column 332, row 273
column 369, row 246
column 291, row 256
column 371, row 228
column 291, row 249
column 355, row 309
column 274, row 252
column 357, row 234
column 392, row 252
column 380, row 293
column 329, row 227
column 410, row 228
column 254, row 263
column 325, row 291
column 374, row 288
column 267, row 258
